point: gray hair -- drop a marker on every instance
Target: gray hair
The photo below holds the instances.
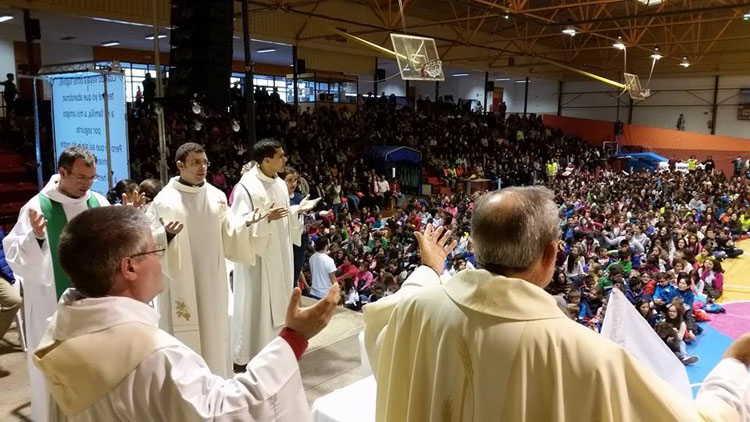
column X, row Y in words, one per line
column 93, row 244
column 510, row 228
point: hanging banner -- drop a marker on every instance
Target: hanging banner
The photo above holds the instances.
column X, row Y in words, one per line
column 78, row 113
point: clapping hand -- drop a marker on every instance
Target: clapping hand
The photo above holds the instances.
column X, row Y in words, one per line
column 173, row 227
column 311, row 320
column 432, row 247
column 38, row 223
column 139, row 200
column 308, row 204
column 277, row 213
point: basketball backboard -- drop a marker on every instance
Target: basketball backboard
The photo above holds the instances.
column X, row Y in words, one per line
column 633, row 86
column 417, row 58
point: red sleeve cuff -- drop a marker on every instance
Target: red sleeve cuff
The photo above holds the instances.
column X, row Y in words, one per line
column 295, row 341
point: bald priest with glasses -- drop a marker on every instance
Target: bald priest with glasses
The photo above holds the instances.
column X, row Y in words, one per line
column 105, row 359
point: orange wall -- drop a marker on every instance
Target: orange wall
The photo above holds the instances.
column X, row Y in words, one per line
column 666, row 142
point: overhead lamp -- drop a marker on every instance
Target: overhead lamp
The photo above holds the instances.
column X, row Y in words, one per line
column 657, row 54
column 569, row 30
column 619, row 44
column 110, row 43
column 745, row 17
column 502, row 79
column 5, row 18
column 265, row 50
column 457, row 75
column 235, row 125
column 506, row 16
column 150, row 37
column 685, row 63
column 521, row 81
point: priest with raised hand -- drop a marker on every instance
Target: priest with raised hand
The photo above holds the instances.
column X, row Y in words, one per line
column 491, row 345
column 194, row 304
column 31, row 251
column 265, row 280
column 106, row 359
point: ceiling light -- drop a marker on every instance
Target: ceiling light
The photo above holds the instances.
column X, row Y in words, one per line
column 110, row 43
column 265, row 50
column 160, row 36
column 619, row 44
column 6, row 18
column 502, row 79
column 569, row 30
column 650, row 2
column 506, row 16
column 521, row 81
column 685, row 63
column 657, row 55
column 459, row 74
column 745, row 17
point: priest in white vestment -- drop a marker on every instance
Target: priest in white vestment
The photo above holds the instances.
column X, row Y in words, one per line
column 194, row 304
column 31, row 249
column 491, row 344
column 106, row 359
column 262, row 285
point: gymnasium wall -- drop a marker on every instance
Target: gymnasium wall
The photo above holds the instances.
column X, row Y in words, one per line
column 666, row 142
column 691, row 96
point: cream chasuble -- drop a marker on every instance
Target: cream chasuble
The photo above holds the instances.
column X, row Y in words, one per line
column 481, row 347
column 263, row 282
column 194, row 304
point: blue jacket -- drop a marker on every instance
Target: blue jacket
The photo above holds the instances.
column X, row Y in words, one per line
column 666, row 293
column 5, row 271
column 687, row 296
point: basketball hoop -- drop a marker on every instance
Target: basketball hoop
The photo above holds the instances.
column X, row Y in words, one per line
column 633, row 86
column 433, row 68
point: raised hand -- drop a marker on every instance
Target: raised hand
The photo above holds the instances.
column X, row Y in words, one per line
column 38, row 223
column 173, row 227
column 277, row 213
column 311, row 320
column 432, row 248
column 139, row 200
column 308, row 204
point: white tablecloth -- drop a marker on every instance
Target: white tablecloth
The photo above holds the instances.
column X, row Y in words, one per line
column 353, row 403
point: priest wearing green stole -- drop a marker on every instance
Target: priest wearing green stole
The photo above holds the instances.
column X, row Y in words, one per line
column 31, row 251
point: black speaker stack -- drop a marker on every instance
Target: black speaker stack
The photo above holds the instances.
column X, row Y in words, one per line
column 201, row 53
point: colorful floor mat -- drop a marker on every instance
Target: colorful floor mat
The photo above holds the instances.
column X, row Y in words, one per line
column 716, row 337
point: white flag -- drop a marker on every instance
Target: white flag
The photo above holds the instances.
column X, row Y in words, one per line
column 626, row 327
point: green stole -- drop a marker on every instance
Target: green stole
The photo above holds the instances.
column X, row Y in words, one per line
column 56, row 221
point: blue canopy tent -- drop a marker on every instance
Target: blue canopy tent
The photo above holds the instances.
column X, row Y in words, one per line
column 639, row 161
column 399, row 162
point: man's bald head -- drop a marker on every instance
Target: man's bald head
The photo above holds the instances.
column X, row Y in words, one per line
column 511, row 228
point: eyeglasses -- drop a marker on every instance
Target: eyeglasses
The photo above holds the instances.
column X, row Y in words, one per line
column 81, row 178
column 159, row 251
column 199, row 163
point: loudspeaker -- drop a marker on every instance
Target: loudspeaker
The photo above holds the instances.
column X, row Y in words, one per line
column 201, row 54
column 619, row 128
column 32, row 29
column 379, row 74
column 301, row 66
column 490, row 87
